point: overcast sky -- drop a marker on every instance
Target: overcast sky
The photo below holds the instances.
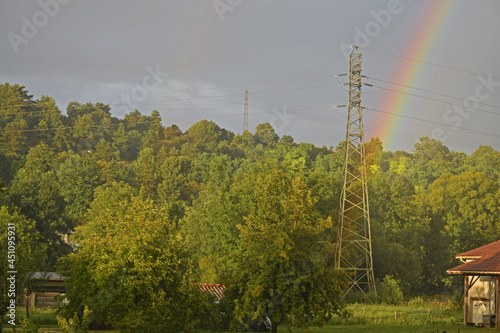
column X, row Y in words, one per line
column 173, row 55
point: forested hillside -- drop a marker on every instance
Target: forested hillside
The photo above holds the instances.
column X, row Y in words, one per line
column 226, row 203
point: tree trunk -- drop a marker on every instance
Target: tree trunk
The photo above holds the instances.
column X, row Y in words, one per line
column 274, row 327
column 27, row 308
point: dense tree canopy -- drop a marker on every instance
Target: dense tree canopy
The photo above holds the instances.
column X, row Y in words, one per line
column 224, row 205
column 133, row 271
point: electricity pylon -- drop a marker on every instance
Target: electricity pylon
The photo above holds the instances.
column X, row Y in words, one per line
column 354, row 247
column 245, row 114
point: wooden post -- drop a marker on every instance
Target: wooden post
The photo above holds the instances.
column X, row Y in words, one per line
column 497, row 303
column 274, row 327
column 27, row 308
column 395, row 316
column 466, row 299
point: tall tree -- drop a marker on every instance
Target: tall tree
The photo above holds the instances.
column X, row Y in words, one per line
column 431, row 159
column 133, row 272
column 21, row 250
column 283, row 264
column 485, row 159
column 35, row 190
column 79, row 176
column 265, row 134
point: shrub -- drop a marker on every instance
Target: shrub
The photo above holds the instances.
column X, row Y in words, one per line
column 29, row 326
column 416, row 301
column 76, row 325
column 390, row 290
column 458, row 299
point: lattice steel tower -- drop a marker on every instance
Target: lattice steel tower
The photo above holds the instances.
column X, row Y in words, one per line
column 354, row 247
column 245, row 114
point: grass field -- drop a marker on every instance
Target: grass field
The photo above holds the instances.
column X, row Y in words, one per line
column 392, row 328
column 424, row 318
column 43, row 316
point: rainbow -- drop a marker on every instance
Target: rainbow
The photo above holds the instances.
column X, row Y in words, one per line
column 428, row 32
column 186, row 54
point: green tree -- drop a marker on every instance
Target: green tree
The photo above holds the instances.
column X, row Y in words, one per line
column 154, row 132
column 485, row 159
column 28, row 256
column 14, row 141
column 283, row 264
column 432, row 159
column 14, row 99
column 49, row 117
column 178, row 185
column 107, row 198
column 127, row 141
column 145, row 173
column 265, row 134
column 469, row 206
column 105, row 151
column 390, row 196
column 132, row 271
column 207, row 135
column 210, row 224
column 16, row 116
column 390, row 292
column 91, row 123
column 79, row 176
column 35, row 189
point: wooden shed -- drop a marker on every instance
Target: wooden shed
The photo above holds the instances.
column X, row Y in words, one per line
column 481, row 271
column 49, row 286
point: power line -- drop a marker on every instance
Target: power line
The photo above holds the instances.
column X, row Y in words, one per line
column 170, row 120
column 250, row 84
column 429, row 63
column 252, row 113
column 239, row 94
column 218, row 87
column 434, row 122
column 434, row 99
column 196, row 98
column 429, row 91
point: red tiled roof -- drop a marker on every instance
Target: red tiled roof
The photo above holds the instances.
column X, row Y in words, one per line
column 215, row 289
column 488, row 265
column 486, row 250
column 486, row 261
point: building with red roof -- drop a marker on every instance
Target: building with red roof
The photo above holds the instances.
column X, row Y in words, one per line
column 216, row 290
column 481, row 271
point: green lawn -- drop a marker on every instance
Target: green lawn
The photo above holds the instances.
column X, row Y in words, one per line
column 423, row 318
column 44, row 316
column 392, row 328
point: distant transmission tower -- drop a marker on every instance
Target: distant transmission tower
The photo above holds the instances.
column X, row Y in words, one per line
column 245, row 115
column 354, row 247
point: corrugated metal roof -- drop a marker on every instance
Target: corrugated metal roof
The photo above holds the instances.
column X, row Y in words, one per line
column 47, row 276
